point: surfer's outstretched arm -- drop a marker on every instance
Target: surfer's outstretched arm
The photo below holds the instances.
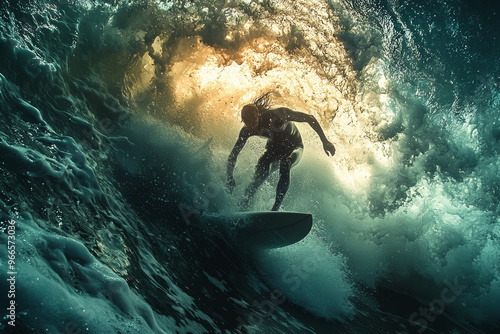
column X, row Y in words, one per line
column 231, row 161
column 296, row 116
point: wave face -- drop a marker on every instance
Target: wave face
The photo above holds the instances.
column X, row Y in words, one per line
column 117, row 118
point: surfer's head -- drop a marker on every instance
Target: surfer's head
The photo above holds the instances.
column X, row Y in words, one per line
column 250, row 116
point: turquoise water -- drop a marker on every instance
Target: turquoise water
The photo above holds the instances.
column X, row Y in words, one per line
column 117, row 118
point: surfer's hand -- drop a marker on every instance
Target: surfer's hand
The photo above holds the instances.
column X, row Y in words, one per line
column 329, row 148
column 230, row 183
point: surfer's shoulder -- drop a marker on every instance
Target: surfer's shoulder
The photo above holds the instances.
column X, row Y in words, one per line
column 276, row 113
column 279, row 110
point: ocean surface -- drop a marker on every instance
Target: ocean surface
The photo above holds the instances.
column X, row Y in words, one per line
column 116, row 122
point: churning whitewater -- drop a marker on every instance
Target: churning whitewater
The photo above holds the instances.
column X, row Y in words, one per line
column 117, row 120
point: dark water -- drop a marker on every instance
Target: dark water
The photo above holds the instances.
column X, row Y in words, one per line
column 117, row 118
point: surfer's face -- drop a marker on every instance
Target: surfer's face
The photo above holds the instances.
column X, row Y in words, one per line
column 250, row 116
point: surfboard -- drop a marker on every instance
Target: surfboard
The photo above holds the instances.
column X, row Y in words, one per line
column 269, row 229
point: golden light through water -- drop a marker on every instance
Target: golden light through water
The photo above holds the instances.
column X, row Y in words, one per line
column 210, row 85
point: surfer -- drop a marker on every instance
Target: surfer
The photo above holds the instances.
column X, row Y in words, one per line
column 284, row 145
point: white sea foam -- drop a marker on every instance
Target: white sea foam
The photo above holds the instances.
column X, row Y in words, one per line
column 310, row 275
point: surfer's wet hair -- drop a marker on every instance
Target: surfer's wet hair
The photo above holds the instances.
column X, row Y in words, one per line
column 262, row 102
column 250, row 113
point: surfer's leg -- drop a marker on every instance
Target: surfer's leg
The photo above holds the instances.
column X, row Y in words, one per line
column 275, row 165
column 284, row 181
column 261, row 173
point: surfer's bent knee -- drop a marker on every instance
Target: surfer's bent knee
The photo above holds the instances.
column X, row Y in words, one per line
column 295, row 157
